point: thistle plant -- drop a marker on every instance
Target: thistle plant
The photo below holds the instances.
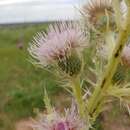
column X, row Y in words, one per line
column 62, row 49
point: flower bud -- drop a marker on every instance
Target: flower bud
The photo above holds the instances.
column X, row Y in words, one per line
column 126, row 56
column 71, row 65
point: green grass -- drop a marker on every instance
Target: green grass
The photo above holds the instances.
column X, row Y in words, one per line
column 21, row 84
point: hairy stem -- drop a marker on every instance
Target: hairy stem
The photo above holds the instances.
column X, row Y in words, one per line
column 116, row 6
column 98, row 95
column 47, row 102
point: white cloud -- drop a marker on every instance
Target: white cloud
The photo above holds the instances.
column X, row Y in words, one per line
column 16, row 14
column 34, row 11
column 6, row 2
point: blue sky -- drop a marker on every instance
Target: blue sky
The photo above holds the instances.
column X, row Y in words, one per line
column 17, row 11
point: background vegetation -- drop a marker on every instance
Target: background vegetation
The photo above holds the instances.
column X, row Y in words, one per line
column 21, row 84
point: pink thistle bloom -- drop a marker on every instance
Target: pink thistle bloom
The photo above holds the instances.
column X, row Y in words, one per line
column 57, row 43
column 56, row 121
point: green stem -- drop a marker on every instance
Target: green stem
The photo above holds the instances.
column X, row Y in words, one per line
column 78, row 95
column 98, row 94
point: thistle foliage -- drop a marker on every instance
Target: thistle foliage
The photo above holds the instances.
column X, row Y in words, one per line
column 92, row 59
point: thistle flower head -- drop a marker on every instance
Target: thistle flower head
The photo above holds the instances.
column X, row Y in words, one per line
column 55, row 121
column 95, row 11
column 126, row 56
column 62, row 45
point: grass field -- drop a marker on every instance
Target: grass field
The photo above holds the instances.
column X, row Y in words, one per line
column 21, row 84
